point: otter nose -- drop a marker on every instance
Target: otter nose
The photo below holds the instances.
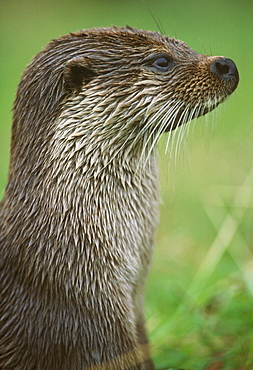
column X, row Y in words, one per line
column 224, row 68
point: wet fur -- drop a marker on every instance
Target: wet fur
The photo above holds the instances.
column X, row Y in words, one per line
column 78, row 219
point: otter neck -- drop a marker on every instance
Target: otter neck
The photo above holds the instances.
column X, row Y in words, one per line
column 84, row 203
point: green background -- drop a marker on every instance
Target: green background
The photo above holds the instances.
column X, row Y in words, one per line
column 200, row 288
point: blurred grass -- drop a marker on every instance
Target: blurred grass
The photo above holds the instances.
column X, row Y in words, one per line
column 200, row 289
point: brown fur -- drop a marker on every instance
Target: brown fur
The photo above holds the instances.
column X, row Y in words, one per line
column 78, row 219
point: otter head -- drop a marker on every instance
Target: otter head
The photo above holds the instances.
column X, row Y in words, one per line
column 114, row 88
column 147, row 80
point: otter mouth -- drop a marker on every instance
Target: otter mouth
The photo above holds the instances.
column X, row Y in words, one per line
column 185, row 115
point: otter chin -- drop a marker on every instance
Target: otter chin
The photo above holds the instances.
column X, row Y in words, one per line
column 80, row 209
column 185, row 115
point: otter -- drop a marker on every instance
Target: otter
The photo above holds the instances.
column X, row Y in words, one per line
column 80, row 209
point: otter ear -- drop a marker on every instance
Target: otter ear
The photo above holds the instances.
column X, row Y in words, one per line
column 77, row 72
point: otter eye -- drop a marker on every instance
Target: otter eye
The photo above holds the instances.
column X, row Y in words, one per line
column 162, row 63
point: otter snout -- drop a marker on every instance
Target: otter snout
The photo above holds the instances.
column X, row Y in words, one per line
column 226, row 69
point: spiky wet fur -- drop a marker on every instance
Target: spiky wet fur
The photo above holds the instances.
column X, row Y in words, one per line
column 78, row 219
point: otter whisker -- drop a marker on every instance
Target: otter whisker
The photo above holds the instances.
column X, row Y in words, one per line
column 178, row 115
column 172, row 123
column 177, row 138
column 149, row 128
column 182, row 128
column 169, row 117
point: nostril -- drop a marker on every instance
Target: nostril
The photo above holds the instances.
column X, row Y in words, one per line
column 224, row 67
